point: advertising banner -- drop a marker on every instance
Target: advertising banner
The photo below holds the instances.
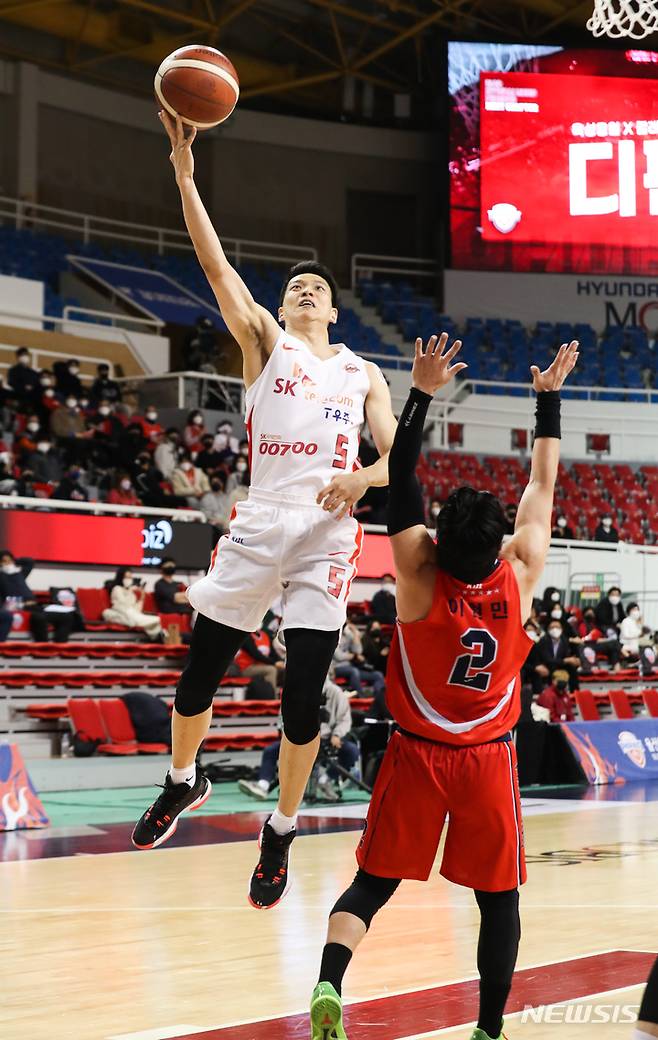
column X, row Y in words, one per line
column 20, row 805
column 612, row 751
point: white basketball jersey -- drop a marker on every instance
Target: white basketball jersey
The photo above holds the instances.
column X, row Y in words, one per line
column 304, row 417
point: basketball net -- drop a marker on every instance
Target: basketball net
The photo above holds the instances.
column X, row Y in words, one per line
column 619, row 18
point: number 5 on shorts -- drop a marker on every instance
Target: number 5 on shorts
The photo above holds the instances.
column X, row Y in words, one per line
column 336, row 580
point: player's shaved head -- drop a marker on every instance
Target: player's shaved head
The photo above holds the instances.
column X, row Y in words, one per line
column 470, row 529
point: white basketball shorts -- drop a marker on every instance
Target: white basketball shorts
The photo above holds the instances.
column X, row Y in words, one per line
column 279, row 547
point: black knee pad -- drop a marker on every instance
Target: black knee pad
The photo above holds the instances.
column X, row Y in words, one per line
column 212, row 649
column 308, row 656
column 366, row 895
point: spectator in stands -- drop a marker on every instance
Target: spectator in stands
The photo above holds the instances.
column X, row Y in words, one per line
column 85, row 405
column 68, row 426
column 46, row 463
column 236, row 479
column 556, row 698
column 376, row 646
column 605, row 530
column 241, row 491
column 562, row 528
column 194, row 431
column 529, row 674
column 208, row 459
column 122, row 492
column 200, row 344
column 127, row 598
column 168, row 452
column 225, row 440
column 555, row 651
column 7, row 478
column 26, row 443
column 595, row 642
column 25, row 484
column 131, row 443
column 636, row 641
column 214, row 504
column 151, row 427
column 105, row 429
column 610, row 613
column 150, row 486
column 350, row 664
column 510, row 518
column 67, row 380
column 104, row 388
column 189, row 482
column 382, row 605
column 23, row 379
column 435, row 509
column 16, row 594
column 335, row 726
column 170, row 598
column 255, row 658
column 70, row 488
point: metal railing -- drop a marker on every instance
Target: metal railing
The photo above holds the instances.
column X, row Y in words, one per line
column 98, row 508
column 88, row 228
column 365, row 265
column 191, row 390
column 152, row 325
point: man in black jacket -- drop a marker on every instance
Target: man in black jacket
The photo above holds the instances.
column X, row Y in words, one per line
column 23, row 379
column 14, row 586
column 610, row 612
column 555, row 651
column 382, row 606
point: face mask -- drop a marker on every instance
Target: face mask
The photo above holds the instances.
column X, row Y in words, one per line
column 72, row 403
column 74, row 474
column 103, row 411
column 562, row 522
column 198, row 421
column 226, row 430
column 607, row 523
column 556, row 613
column 33, row 427
column 241, row 467
column 127, row 582
column 389, row 586
column 169, row 570
column 49, row 392
column 533, row 635
column 635, row 613
column 555, row 596
column 590, row 619
column 561, row 686
column 614, row 600
column 151, row 416
column 9, row 568
column 73, row 369
column 24, row 360
column 555, row 633
column 187, row 466
column 436, row 510
column 216, row 486
column 43, row 447
column 206, row 446
column 46, row 381
column 125, row 484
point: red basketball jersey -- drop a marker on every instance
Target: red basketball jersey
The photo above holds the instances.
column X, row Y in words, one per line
column 243, row 659
column 454, row 676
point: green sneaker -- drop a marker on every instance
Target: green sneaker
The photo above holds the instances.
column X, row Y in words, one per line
column 479, row 1034
column 326, row 1014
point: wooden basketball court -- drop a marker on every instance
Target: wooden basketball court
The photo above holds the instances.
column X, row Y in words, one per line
column 100, row 944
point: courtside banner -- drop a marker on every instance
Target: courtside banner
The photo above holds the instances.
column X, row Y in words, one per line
column 154, row 294
column 611, row 751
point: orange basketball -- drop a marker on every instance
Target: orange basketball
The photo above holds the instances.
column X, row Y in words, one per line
column 199, row 84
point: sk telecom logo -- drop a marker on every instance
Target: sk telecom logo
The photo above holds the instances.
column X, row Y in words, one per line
column 298, row 373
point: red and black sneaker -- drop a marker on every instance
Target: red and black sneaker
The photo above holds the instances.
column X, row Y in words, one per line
column 160, row 820
column 270, row 880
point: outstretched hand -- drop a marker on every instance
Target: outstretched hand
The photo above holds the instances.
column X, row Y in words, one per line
column 181, row 138
column 553, row 377
column 432, row 368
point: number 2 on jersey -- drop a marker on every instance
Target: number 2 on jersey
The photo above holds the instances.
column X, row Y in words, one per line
column 469, row 670
column 340, row 452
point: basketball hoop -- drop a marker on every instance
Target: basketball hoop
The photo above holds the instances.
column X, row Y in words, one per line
column 619, row 18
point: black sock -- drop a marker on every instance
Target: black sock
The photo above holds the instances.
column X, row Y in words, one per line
column 335, row 958
column 500, row 931
column 493, row 996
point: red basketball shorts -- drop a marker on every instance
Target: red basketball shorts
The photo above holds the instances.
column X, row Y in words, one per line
column 477, row 788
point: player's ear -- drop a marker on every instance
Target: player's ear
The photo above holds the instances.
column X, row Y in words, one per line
column 281, row 318
column 334, row 316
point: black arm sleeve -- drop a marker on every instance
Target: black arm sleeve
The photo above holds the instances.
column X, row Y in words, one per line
column 405, row 499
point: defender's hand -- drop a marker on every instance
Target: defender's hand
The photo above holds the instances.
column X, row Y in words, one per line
column 554, row 376
column 181, row 138
column 343, row 492
column 432, row 368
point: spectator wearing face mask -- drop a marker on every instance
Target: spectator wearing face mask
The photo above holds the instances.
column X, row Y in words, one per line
column 26, row 444
column 23, row 379
column 610, row 613
column 131, row 443
column 46, row 463
column 594, row 642
column 16, row 594
column 510, row 518
column 189, row 482
column 167, row 453
column 169, row 597
column 194, row 431
column 67, row 379
column 435, row 509
column 236, row 479
column 636, row 641
column 215, row 503
column 556, row 698
column 208, row 459
column 104, row 388
column 349, row 664
column 122, row 492
column 70, row 488
column 151, row 428
column 127, row 608
column 529, row 674
column 562, row 528
column 225, row 440
column 240, row 491
column 66, row 422
column 555, row 651
column 549, row 599
column 382, row 605
column 376, row 646
column 46, row 400
column 605, row 530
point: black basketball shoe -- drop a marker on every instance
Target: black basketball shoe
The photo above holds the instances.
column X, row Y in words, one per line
column 270, row 880
column 160, row 820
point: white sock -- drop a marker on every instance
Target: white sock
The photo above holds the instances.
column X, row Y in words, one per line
column 264, row 786
column 281, row 824
column 187, row 775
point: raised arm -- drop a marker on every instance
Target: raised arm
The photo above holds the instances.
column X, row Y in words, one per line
column 254, row 328
column 528, row 547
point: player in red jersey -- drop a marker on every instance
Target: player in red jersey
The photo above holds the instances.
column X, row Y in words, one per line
column 453, row 688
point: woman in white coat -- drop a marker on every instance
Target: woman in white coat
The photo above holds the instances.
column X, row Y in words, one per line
column 128, row 606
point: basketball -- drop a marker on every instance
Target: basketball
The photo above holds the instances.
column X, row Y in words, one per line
column 199, row 84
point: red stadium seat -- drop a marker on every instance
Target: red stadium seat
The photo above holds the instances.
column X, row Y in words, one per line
column 621, row 705
column 88, row 723
column 587, row 706
column 650, row 698
column 120, row 729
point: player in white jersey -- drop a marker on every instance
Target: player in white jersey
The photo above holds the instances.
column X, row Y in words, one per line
column 294, row 537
